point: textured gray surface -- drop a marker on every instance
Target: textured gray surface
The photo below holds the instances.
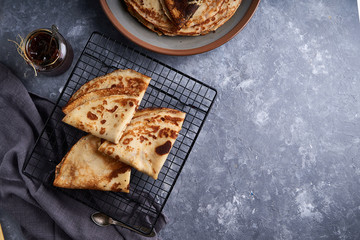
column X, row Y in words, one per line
column 279, row 155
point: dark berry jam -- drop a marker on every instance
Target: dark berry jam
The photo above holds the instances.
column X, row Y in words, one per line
column 43, row 49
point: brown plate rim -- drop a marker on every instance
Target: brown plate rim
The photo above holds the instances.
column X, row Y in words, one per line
column 183, row 52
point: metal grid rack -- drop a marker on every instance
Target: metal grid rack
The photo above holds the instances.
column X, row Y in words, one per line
column 168, row 88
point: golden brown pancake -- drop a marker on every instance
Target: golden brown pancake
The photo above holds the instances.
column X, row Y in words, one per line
column 180, row 11
column 105, row 117
column 119, row 82
column 84, row 167
column 151, row 13
column 147, row 140
column 144, row 21
column 210, row 15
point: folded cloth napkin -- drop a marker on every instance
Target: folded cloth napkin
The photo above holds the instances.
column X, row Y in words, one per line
column 41, row 211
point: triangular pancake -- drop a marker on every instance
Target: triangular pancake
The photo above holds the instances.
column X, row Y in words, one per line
column 151, row 14
column 180, row 11
column 146, row 23
column 105, row 117
column 147, row 140
column 84, row 167
column 119, row 82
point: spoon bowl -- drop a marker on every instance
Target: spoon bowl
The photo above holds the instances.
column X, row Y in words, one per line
column 100, row 219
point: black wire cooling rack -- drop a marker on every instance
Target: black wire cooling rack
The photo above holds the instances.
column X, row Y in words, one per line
column 168, row 88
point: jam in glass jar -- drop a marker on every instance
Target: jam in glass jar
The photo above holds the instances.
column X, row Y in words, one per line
column 48, row 52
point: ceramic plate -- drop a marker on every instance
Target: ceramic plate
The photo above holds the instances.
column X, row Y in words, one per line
column 181, row 45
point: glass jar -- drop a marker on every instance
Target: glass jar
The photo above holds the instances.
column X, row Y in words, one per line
column 48, row 51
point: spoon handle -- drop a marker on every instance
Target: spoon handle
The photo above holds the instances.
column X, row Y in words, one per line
column 144, row 229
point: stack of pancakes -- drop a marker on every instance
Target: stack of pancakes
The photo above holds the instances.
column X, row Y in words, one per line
column 183, row 17
column 120, row 135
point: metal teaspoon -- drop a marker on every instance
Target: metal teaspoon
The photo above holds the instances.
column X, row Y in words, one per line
column 103, row 220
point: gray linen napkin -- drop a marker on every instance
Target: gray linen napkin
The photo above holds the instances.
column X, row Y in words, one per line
column 42, row 212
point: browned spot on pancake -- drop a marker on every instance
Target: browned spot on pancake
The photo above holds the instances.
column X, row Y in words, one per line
column 129, row 149
column 119, row 83
column 116, row 115
column 110, row 150
column 128, row 187
column 155, row 128
column 173, row 120
column 120, row 170
column 116, row 187
column 142, row 138
column 127, row 141
column 181, row 11
column 124, row 102
column 164, row 132
column 104, row 102
column 72, row 172
column 126, row 133
column 117, row 157
column 113, row 109
column 163, row 149
column 91, row 116
column 137, row 84
column 167, row 132
column 103, row 121
column 102, row 131
column 131, row 104
column 154, row 171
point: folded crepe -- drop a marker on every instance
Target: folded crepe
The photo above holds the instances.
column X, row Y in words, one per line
column 180, row 11
column 208, row 16
column 105, row 117
column 84, row 167
column 151, row 14
column 147, row 140
column 119, row 82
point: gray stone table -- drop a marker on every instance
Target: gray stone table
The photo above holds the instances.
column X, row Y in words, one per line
column 279, row 154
